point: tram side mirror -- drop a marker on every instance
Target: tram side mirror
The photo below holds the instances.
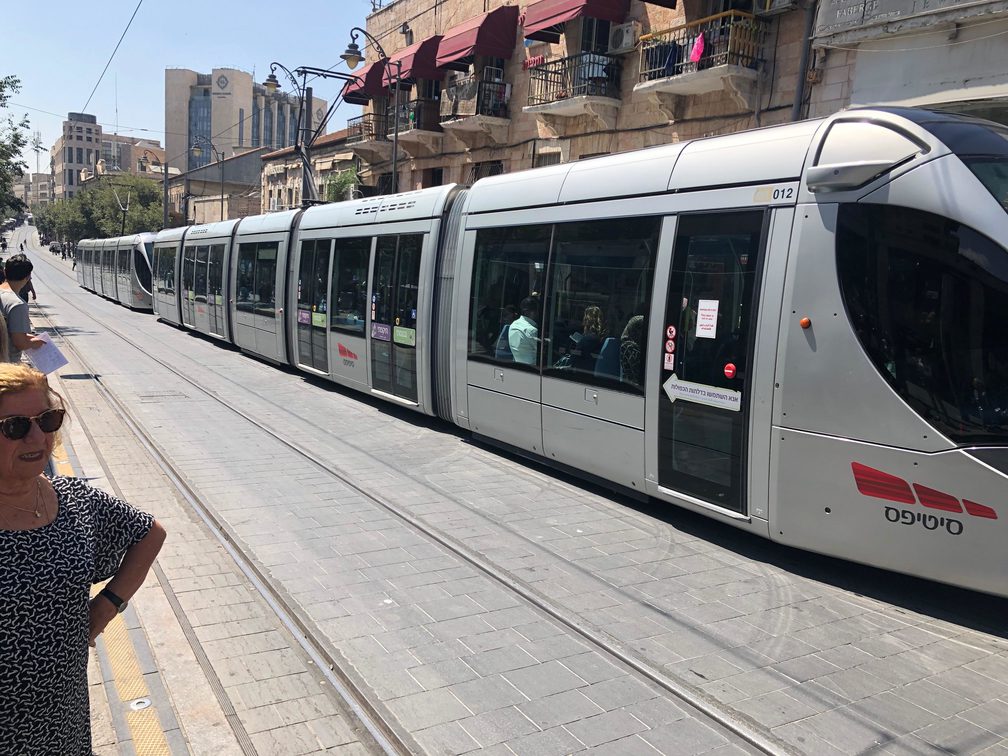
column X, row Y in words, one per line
column 843, row 176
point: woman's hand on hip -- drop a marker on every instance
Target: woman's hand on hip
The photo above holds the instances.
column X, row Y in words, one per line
column 101, row 612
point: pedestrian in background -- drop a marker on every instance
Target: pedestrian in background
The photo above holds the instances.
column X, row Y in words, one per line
column 18, row 272
column 57, row 538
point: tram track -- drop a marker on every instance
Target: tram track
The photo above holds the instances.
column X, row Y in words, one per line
column 714, row 713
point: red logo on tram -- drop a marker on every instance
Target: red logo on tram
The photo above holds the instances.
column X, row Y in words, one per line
column 882, row 485
column 345, row 353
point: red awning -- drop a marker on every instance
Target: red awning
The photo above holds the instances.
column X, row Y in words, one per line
column 491, row 34
column 419, row 61
column 541, row 17
column 368, row 84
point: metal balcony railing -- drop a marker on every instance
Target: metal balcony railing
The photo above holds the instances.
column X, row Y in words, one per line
column 590, row 74
column 367, row 128
column 418, row 114
column 733, row 38
column 471, row 97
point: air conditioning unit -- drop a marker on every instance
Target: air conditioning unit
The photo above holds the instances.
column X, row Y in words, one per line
column 623, row 37
column 773, row 7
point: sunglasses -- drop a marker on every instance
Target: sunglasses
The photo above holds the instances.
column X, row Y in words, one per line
column 17, row 427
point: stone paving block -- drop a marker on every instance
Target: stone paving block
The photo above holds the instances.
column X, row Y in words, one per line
column 447, row 738
column 893, row 712
column 556, row 741
column 956, row 735
column 332, row 732
column 316, row 706
column 606, row 727
column 263, row 693
column 544, row 679
column 487, row 693
column 293, row 740
column 775, row 709
column 443, row 673
column 805, row 741
column 992, row 716
column 498, row 726
column 971, row 685
column 555, row 647
column 619, row 693
column 500, row 660
column 848, row 732
column 658, row 711
column 419, row 711
column 854, row 684
column 560, row 709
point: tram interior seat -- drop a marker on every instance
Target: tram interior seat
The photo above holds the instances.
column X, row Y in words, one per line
column 608, row 363
column 502, row 350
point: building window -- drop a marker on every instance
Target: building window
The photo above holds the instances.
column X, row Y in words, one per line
column 80, row 154
column 547, row 158
column 68, row 154
column 199, row 126
column 89, row 157
column 293, row 126
column 268, row 126
column 70, row 175
column 241, row 127
column 88, row 131
column 484, row 169
column 281, row 128
column 255, row 123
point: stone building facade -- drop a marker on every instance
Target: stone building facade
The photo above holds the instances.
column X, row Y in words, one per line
column 561, row 80
column 77, row 149
column 945, row 54
column 281, row 171
column 229, row 109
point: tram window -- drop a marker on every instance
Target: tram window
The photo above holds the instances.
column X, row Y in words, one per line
column 509, row 272
column 349, row 284
column 123, row 260
column 188, row 271
column 164, row 260
column 408, row 290
column 926, row 297
column 265, row 279
column 215, row 275
column 200, row 279
column 313, row 275
column 600, row 294
column 246, row 276
column 142, row 265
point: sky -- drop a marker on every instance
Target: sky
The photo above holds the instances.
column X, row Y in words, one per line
column 59, row 57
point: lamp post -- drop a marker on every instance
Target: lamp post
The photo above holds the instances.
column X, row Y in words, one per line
column 197, row 152
column 353, row 57
column 305, row 137
column 145, row 161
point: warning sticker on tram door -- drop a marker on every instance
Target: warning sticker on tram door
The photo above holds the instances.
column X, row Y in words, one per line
column 670, row 332
column 729, row 370
column 669, row 361
column 669, row 346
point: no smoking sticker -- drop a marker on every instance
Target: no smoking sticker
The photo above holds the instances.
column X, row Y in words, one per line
column 670, row 346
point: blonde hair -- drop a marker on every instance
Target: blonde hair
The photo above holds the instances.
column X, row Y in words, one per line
column 16, row 377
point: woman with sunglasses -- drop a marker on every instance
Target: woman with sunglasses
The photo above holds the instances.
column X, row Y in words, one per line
column 57, row 538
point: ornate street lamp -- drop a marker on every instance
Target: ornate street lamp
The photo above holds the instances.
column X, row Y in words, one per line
column 197, row 152
column 353, row 57
column 303, row 141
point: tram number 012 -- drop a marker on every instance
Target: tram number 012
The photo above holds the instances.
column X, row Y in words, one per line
column 783, row 192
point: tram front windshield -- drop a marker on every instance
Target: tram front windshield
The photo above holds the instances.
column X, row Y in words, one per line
column 982, row 146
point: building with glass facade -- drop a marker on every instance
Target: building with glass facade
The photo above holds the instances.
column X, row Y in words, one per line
column 229, row 109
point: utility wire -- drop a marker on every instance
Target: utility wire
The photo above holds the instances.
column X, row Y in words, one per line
column 84, row 109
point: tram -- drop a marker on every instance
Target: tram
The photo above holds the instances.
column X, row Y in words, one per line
column 794, row 330
column 118, row 268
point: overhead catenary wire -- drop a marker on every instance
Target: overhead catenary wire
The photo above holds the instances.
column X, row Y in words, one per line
column 107, row 64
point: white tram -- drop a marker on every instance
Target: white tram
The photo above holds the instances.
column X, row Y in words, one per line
column 118, row 268
column 794, row 330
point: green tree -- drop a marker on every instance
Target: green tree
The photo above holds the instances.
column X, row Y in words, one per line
column 336, row 186
column 13, row 138
column 96, row 212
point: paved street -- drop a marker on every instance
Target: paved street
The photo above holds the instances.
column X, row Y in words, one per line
column 480, row 601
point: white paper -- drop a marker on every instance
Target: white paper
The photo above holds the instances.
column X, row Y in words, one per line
column 46, row 358
column 706, row 321
column 712, row 396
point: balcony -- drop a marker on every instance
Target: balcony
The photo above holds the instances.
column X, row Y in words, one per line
column 366, row 136
column 713, row 54
column 587, row 84
column 419, row 127
column 476, row 111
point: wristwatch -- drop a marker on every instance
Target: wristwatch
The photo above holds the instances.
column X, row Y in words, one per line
column 117, row 602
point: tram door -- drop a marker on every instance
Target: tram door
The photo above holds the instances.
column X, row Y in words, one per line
column 189, row 286
column 215, row 290
column 704, row 396
column 394, row 315
column 199, row 300
column 312, row 305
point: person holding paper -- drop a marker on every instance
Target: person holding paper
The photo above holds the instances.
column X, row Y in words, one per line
column 15, row 310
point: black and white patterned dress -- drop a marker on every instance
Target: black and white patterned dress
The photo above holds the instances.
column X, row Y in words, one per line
column 45, row 578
